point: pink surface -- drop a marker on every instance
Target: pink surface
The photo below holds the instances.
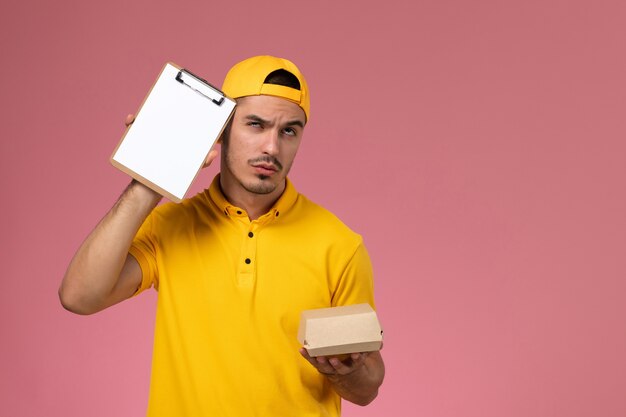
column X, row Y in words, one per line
column 477, row 146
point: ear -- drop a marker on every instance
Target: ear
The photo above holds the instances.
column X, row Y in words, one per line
column 129, row 120
column 210, row 157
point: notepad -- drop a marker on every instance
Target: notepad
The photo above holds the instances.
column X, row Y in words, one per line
column 178, row 123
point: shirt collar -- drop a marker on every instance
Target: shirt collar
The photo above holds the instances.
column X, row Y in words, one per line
column 280, row 207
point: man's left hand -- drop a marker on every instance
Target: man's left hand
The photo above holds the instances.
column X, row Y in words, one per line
column 356, row 377
column 336, row 365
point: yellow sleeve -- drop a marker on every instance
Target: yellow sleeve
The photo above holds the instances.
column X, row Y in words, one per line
column 144, row 250
column 357, row 281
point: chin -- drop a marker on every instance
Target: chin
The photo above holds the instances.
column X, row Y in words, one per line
column 262, row 186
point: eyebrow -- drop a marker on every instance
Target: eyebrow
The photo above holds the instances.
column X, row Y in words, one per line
column 256, row 118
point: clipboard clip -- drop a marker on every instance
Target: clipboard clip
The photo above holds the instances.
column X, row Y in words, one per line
column 200, row 86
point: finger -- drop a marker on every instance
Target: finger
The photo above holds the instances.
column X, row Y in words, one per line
column 210, row 157
column 129, row 120
column 324, row 366
column 305, row 354
column 333, row 365
column 345, row 367
column 339, row 367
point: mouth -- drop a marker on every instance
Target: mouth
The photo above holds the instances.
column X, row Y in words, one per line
column 265, row 169
column 266, row 165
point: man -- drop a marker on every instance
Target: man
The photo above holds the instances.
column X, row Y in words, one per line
column 234, row 267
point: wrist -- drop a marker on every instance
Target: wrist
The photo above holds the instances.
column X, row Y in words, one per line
column 140, row 197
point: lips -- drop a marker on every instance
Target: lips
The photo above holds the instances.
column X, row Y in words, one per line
column 265, row 169
column 266, row 165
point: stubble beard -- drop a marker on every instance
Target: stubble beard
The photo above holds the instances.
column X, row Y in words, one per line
column 263, row 185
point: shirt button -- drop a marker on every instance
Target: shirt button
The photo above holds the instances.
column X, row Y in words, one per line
column 248, row 260
column 250, row 234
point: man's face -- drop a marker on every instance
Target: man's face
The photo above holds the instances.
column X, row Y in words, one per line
column 262, row 143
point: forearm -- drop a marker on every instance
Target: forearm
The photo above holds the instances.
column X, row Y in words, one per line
column 361, row 386
column 95, row 270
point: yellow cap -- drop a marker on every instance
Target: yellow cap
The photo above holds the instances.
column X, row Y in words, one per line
column 247, row 78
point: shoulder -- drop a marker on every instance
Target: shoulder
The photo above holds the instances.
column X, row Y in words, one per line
column 322, row 223
column 189, row 210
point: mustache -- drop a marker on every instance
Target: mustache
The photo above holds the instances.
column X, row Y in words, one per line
column 268, row 159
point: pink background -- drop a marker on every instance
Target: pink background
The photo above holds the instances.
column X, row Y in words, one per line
column 478, row 146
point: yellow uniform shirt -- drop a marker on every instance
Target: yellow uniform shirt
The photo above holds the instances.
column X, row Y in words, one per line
column 230, row 293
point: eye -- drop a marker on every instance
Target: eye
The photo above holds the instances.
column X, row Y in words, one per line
column 289, row 131
column 253, row 124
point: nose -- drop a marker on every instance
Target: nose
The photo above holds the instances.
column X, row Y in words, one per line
column 271, row 142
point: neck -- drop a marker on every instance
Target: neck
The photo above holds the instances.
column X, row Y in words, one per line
column 254, row 204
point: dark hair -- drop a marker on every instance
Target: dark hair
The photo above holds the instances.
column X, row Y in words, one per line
column 283, row 77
